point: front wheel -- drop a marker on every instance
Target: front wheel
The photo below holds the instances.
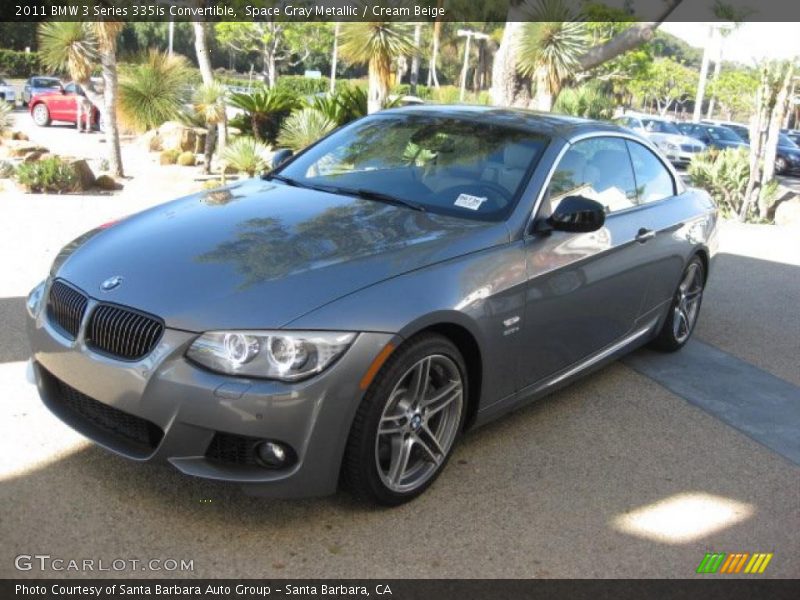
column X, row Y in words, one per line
column 407, row 423
column 780, row 165
column 684, row 310
column 41, row 115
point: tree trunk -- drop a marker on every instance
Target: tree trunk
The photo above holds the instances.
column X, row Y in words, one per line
column 334, row 56
column 201, row 49
column 509, row 88
column 108, row 61
column 211, row 132
column 380, row 69
column 414, row 76
column 437, row 33
column 543, row 99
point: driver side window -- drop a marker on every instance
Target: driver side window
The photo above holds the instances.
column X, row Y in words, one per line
column 599, row 169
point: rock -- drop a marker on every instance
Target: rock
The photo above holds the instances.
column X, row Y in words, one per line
column 788, row 212
column 177, row 136
column 85, row 175
column 151, row 141
column 34, row 156
column 18, row 135
column 19, row 149
column 108, row 183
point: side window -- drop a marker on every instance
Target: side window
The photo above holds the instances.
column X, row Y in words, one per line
column 598, row 169
column 71, row 88
column 653, row 180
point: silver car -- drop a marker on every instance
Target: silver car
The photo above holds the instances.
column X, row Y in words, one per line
column 345, row 318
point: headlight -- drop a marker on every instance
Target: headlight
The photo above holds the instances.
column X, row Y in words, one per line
column 34, row 301
column 670, row 146
column 282, row 355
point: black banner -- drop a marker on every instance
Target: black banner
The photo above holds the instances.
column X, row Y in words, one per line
column 394, row 589
column 395, row 10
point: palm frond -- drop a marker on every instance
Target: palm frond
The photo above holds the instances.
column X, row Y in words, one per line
column 247, row 155
column 153, row 92
column 363, row 42
column 303, row 128
column 209, row 102
column 68, row 46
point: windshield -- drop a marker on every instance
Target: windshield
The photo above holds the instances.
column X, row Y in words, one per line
column 723, row 134
column 785, row 140
column 655, row 126
column 455, row 166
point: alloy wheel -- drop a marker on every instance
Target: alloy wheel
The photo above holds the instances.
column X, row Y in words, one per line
column 41, row 115
column 687, row 303
column 419, row 423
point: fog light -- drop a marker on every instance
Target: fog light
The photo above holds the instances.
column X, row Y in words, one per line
column 271, row 454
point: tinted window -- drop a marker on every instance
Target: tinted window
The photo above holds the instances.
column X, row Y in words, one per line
column 71, row 88
column 656, row 126
column 653, row 181
column 45, row 83
column 599, row 169
column 462, row 167
column 723, row 134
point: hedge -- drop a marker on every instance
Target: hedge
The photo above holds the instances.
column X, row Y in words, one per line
column 19, row 64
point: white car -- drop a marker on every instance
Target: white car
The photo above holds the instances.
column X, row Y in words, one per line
column 7, row 91
column 678, row 148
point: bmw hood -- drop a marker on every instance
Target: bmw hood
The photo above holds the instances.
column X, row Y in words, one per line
column 661, row 139
column 260, row 254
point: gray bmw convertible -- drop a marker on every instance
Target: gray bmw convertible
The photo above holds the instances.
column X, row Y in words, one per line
column 346, row 317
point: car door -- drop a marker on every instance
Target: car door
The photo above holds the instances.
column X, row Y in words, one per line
column 585, row 290
column 68, row 104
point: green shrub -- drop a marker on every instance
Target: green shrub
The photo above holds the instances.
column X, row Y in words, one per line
column 169, row 157
column 187, row 159
column 303, row 128
column 48, row 175
column 19, row 64
column 724, row 175
column 423, row 91
column 446, row 94
column 266, row 109
column 585, row 101
column 298, row 86
column 247, row 155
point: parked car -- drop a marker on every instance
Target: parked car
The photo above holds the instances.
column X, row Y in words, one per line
column 39, row 85
column 678, row 148
column 60, row 105
column 716, row 136
column 793, row 134
column 7, row 92
column 787, row 154
column 416, row 273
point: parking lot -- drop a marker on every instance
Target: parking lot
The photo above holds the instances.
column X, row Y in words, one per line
column 636, row 471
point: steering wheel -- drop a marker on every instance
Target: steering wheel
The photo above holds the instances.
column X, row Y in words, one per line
column 495, row 194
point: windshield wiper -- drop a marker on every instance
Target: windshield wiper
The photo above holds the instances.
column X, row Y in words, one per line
column 381, row 197
column 282, row 179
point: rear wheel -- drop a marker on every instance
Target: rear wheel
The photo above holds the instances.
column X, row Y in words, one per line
column 684, row 310
column 408, row 421
column 780, row 165
column 41, row 115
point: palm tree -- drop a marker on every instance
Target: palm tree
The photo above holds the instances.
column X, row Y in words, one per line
column 75, row 47
column 247, row 155
column 550, row 48
column 209, row 105
column 266, row 107
column 376, row 44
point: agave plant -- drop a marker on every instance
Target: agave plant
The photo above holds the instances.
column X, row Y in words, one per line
column 724, row 174
column 154, row 91
column 376, row 44
column 550, row 47
column 246, row 155
column 267, row 107
column 304, row 127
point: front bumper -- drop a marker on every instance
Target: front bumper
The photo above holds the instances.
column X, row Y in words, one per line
column 185, row 406
column 680, row 157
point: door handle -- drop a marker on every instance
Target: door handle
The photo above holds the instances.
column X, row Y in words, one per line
column 645, row 234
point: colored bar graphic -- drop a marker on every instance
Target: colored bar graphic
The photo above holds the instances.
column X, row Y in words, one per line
column 722, row 563
column 711, row 562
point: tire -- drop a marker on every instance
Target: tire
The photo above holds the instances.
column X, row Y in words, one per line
column 780, row 165
column 418, row 433
column 41, row 115
column 684, row 309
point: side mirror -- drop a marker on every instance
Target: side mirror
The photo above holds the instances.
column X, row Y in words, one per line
column 577, row 214
column 280, row 157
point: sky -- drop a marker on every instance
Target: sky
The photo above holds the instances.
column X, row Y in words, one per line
column 749, row 43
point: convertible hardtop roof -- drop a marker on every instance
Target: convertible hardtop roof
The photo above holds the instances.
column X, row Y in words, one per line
column 544, row 123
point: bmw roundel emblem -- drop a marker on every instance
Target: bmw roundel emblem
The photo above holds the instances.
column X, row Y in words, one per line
column 111, row 283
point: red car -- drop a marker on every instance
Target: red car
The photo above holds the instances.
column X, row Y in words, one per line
column 61, row 104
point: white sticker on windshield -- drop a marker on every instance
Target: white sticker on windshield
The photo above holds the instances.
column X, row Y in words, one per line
column 470, row 202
